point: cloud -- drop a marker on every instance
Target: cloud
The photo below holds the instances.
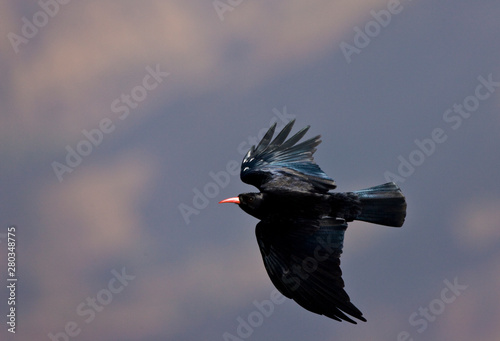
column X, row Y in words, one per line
column 90, row 222
column 98, row 207
column 177, row 296
column 65, row 78
column 475, row 313
column 476, row 228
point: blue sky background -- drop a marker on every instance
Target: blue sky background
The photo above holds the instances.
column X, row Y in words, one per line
column 230, row 75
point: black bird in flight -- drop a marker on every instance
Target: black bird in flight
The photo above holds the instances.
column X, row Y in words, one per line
column 302, row 223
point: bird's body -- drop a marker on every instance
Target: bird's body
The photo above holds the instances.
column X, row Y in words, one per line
column 302, row 223
column 289, row 205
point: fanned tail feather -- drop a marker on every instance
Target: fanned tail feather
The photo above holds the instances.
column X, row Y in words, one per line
column 383, row 204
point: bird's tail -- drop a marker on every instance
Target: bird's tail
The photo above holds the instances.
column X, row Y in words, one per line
column 382, row 204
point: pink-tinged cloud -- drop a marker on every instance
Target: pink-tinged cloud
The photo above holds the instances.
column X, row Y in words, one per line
column 65, row 78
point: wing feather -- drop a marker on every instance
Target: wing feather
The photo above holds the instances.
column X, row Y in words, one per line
column 272, row 159
column 302, row 258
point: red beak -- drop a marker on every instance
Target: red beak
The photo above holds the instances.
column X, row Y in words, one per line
column 235, row 200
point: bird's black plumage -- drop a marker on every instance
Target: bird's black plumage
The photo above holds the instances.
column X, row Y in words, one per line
column 285, row 165
column 302, row 223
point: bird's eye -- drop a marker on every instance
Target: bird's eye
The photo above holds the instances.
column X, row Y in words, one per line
column 250, row 199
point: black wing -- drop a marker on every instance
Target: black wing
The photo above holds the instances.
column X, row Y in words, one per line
column 303, row 260
column 285, row 165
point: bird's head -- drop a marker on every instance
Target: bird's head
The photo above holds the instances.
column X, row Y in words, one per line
column 251, row 203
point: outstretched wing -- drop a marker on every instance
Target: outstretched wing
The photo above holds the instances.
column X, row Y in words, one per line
column 283, row 164
column 303, row 260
